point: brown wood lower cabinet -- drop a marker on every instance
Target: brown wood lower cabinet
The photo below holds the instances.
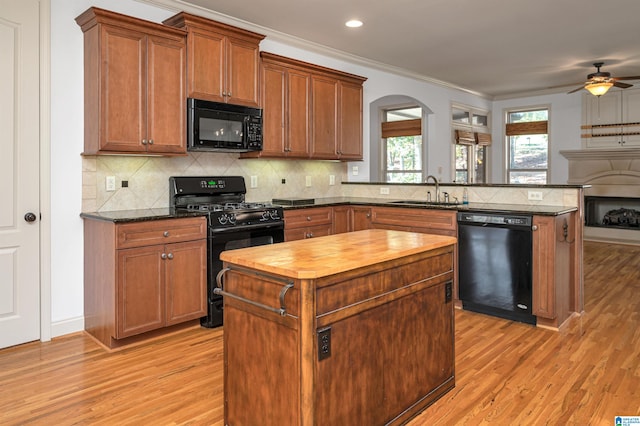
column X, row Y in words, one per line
column 143, row 276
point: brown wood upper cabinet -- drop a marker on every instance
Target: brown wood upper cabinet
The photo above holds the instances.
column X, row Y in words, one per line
column 133, row 85
column 309, row 111
column 222, row 61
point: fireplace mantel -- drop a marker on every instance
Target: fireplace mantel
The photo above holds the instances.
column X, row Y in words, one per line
column 602, row 154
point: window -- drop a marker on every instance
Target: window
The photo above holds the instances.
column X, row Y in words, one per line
column 402, row 145
column 471, row 139
column 528, row 146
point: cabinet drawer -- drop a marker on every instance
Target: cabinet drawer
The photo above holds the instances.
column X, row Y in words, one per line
column 151, row 232
column 307, row 232
column 307, row 217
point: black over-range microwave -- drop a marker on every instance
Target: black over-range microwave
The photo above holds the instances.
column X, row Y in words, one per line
column 216, row 126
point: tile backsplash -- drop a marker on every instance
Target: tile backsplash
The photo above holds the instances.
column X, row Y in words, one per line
column 148, row 182
column 148, row 178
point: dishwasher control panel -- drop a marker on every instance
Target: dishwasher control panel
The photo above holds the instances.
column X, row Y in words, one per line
column 494, row 219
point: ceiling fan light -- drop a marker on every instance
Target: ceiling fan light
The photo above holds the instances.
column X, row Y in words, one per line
column 599, row 89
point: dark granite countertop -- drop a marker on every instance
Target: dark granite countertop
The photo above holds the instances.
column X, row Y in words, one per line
column 123, row 216
column 479, row 207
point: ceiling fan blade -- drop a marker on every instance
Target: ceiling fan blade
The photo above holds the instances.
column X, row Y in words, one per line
column 635, row 77
column 575, row 90
column 621, row 85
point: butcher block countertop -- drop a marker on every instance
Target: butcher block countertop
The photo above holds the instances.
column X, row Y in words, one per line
column 323, row 256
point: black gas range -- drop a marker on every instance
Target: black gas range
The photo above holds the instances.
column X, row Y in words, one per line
column 232, row 223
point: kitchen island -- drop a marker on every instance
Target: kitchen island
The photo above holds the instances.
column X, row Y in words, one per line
column 353, row 328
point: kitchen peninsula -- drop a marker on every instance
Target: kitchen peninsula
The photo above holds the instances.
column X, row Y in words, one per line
column 354, row 327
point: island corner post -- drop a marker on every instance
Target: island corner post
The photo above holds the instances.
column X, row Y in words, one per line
column 355, row 328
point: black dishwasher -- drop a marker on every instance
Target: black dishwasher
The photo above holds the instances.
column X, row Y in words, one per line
column 495, row 264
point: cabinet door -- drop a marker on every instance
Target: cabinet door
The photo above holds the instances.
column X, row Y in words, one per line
column 342, row 219
column 186, row 281
column 205, row 65
column 361, row 218
column 631, row 105
column 242, row 72
column 273, row 109
column 122, row 90
column 298, row 117
column 140, row 291
column 324, row 112
column 544, row 243
column 166, row 130
column 350, row 122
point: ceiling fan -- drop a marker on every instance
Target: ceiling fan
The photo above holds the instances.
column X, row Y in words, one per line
column 599, row 82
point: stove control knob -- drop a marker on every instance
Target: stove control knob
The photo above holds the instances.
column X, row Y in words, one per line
column 274, row 214
column 265, row 215
column 232, row 218
column 222, row 219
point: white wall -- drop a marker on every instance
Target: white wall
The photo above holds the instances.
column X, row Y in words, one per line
column 67, row 128
column 67, row 135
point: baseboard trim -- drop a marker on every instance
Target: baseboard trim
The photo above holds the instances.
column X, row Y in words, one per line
column 68, row 326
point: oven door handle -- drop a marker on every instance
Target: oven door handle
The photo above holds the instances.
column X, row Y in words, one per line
column 282, row 311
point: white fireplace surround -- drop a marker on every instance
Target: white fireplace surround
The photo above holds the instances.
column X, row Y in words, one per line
column 610, row 173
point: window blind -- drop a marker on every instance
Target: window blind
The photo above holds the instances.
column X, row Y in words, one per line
column 402, row 128
column 527, row 128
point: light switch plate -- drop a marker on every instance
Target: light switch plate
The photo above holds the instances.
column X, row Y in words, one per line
column 307, row 181
column 332, row 179
column 254, row 181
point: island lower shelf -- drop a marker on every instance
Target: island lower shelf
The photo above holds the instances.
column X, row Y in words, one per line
column 308, row 341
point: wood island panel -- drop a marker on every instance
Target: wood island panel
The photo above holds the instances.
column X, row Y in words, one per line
column 353, row 328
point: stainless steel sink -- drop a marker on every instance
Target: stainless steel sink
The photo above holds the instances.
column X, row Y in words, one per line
column 425, row 203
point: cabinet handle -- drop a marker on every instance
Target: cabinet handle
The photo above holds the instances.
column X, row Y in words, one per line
column 144, row 141
column 308, row 218
column 170, row 256
column 310, row 235
column 163, row 256
column 534, row 228
column 368, row 215
column 150, row 141
column 165, row 233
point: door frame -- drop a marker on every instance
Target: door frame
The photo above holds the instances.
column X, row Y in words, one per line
column 45, row 170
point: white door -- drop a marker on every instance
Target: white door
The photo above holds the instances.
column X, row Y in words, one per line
column 19, row 172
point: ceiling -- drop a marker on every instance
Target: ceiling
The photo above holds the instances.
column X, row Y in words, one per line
column 495, row 48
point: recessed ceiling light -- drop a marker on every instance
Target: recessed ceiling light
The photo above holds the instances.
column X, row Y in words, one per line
column 353, row 23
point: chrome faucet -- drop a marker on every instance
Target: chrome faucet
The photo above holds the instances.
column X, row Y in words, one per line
column 435, row 180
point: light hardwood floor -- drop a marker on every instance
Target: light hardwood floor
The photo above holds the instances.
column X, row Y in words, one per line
column 506, row 373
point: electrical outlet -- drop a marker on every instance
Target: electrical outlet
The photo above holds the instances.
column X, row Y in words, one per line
column 332, row 179
column 111, row 183
column 384, row 191
column 254, row 181
column 535, row 195
column 307, row 181
column 324, row 343
column 354, row 170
